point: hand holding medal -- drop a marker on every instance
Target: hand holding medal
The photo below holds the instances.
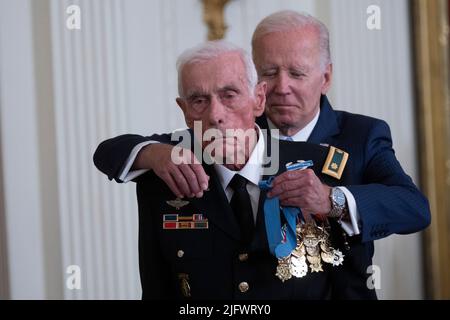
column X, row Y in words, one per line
column 299, row 241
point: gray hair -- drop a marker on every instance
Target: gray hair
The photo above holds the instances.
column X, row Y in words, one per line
column 289, row 20
column 212, row 49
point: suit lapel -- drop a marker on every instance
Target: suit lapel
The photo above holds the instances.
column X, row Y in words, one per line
column 327, row 125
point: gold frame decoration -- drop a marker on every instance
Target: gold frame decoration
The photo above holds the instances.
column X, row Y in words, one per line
column 431, row 47
column 213, row 16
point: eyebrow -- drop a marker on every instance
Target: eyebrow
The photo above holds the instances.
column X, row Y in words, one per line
column 268, row 67
column 300, row 68
column 295, row 67
column 200, row 93
column 195, row 93
column 229, row 87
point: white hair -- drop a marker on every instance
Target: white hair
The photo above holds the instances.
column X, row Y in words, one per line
column 290, row 20
column 212, row 49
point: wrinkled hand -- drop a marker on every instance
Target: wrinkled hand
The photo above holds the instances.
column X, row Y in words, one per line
column 177, row 167
column 304, row 190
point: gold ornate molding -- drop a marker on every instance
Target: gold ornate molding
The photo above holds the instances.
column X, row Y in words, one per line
column 213, row 16
column 431, row 35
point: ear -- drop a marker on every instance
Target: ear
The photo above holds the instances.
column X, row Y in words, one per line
column 181, row 103
column 260, row 98
column 327, row 76
column 183, row 106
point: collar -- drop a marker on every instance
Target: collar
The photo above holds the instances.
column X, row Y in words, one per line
column 328, row 124
column 301, row 136
column 253, row 169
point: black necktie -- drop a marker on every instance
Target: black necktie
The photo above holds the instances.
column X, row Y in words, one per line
column 242, row 208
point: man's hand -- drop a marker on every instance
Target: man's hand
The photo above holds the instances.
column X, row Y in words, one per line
column 177, row 167
column 304, row 190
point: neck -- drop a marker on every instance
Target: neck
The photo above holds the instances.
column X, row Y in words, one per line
column 290, row 131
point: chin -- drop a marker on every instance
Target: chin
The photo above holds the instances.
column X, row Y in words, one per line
column 281, row 120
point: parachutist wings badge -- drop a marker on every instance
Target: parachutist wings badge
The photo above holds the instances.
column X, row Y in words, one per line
column 177, row 203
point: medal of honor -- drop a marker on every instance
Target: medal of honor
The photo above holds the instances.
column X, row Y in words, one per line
column 283, row 272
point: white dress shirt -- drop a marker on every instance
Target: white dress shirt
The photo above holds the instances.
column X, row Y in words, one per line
column 252, row 171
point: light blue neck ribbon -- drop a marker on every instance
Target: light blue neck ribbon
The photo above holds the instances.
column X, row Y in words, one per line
column 279, row 246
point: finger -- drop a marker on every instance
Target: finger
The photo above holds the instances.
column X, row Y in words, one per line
column 293, row 202
column 283, row 187
column 201, row 175
column 300, row 178
column 191, row 178
column 181, row 182
column 167, row 178
column 294, row 193
column 285, row 176
column 192, row 159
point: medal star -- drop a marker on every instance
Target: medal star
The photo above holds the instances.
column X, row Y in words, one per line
column 334, row 166
column 316, row 267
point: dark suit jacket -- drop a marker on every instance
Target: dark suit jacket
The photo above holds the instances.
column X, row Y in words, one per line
column 387, row 200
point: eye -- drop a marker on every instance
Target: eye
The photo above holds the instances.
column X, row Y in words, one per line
column 198, row 103
column 297, row 74
column 269, row 73
column 229, row 94
column 198, row 100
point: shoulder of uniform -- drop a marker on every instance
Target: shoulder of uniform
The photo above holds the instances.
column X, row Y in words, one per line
column 360, row 123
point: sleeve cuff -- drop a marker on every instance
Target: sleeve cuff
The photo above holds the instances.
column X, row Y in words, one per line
column 126, row 175
column 350, row 227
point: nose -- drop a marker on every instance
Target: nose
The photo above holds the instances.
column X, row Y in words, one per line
column 282, row 84
column 216, row 112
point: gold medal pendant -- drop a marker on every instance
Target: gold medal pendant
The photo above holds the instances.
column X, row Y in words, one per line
column 283, row 270
column 316, row 267
column 313, row 248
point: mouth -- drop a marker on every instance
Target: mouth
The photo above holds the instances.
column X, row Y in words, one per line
column 280, row 105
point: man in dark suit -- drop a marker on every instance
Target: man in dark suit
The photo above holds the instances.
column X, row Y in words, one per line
column 291, row 53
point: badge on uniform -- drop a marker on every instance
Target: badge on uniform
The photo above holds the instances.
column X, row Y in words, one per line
column 184, row 285
column 335, row 162
column 177, row 203
column 177, row 221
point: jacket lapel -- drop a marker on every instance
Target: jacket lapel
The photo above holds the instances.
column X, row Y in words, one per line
column 214, row 205
column 327, row 125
